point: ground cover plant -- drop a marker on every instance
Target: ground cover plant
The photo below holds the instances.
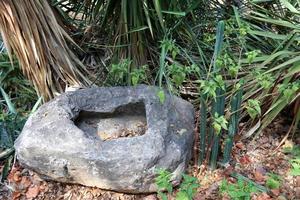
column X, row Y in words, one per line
column 186, row 191
column 240, row 190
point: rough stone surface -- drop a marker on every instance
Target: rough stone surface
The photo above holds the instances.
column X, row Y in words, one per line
column 112, row 138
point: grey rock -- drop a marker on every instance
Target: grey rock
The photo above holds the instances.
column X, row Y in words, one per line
column 112, row 138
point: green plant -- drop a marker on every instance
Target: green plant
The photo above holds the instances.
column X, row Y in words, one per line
column 178, row 73
column 253, row 108
column 219, row 122
column 295, row 164
column 201, row 56
column 17, row 98
column 293, row 150
column 251, row 55
column 237, row 191
column 171, row 71
column 203, row 127
column 214, row 90
column 161, row 95
column 208, row 88
column 295, row 161
column 266, row 81
column 11, row 124
column 273, row 181
column 163, row 183
column 138, row 75
column 119, row 72
column 187, row 188
column 235, row 106
column 132, row 27
column 123, row 74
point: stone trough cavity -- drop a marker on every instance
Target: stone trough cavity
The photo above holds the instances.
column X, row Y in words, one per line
column 125, row 121
column 112, row 138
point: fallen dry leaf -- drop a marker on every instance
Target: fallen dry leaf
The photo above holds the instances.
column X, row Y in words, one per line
column 36, row 180
column 240, row 145
column 275, row 192
column 16, row 195
column 44, row 187
column 10, row 176
column 259, row 157
column 244, row 160
column 228, row 171
column 225, row 197
column 25, row 182
column 263, row 196
column 231, row 180
column 32, row 192
column 17, row 176
column 258, row 176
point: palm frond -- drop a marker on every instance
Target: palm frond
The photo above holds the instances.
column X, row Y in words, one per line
column 38, row 42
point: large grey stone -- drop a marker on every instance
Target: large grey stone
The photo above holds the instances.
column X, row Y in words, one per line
column 112, row 138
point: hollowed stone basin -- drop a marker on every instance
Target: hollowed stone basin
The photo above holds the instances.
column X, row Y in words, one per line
column 126, row 121
column 112, row 138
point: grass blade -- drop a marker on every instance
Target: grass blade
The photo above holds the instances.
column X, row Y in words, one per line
column 8, row 101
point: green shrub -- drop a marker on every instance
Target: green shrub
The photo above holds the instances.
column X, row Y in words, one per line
column 273, row 181
column 295, row 161
column 238, row 191
column 186, row 190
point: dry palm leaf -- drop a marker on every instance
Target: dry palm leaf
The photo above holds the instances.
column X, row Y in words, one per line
column 30, row 31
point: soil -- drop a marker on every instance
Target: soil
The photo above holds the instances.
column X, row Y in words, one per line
column 253, row 159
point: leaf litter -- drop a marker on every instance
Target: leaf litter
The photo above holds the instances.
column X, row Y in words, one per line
column 254, row 160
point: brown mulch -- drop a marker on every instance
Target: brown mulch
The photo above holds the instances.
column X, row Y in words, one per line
column 25, row 184
column 252, row 159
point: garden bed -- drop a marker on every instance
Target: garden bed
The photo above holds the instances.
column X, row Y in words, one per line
column 256, row 160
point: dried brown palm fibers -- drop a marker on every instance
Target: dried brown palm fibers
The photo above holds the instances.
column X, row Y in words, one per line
column 31, row 32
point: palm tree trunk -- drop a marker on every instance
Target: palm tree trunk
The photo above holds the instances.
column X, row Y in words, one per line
column 31, row 33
